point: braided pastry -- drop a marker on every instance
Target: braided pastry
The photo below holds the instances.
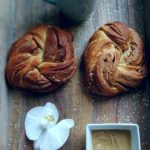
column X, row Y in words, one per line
column 114, row 60
column 42, row 60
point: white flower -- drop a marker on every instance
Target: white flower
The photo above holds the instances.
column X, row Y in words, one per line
column 41, row 127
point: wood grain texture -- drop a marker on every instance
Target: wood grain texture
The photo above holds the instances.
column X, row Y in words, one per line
column 72, row 100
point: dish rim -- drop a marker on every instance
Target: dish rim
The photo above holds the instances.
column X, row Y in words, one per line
column 133, row 128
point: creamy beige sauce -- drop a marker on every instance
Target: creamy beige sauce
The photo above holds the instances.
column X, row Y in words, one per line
column 111, row 140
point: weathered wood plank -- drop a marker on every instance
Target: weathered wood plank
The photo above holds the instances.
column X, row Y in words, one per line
column 6, row 30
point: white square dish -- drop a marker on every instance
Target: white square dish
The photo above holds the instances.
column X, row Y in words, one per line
column 133, row 128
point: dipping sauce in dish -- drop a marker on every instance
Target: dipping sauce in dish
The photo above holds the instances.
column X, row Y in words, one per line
column 111, row 140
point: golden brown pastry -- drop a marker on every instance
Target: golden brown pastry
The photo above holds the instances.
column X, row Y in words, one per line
column 42, row 60
column 114, row 60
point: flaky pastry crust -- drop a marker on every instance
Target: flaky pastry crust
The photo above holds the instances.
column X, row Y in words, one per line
column 114, row 60
column 42, row 60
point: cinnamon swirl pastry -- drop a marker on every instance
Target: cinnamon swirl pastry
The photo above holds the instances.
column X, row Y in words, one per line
column 42, row 60
column 114, row 60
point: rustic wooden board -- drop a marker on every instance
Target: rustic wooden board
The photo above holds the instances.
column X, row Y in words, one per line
column 72, row 100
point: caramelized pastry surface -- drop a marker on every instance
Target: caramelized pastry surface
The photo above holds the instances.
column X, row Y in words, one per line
column 42, row 60
column 114, row 60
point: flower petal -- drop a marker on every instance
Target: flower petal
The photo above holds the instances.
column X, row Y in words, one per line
column 55, row 137
column 53, row 110
column 33, row 124
column 39, row 118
